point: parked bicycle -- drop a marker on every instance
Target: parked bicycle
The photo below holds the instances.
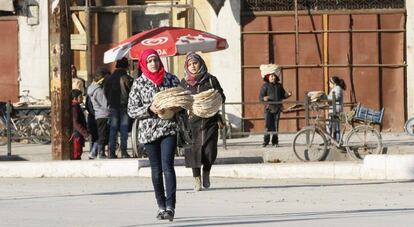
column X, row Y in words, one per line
column 409, row 126
column 313, row 142
column 35, row 128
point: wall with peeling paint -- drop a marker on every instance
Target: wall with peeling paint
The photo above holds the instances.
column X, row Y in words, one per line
column 224, row 64
column 34, row 51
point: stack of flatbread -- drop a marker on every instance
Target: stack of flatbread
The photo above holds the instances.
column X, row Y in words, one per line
column 316, row 96
column 170, row 98
column 207, row 103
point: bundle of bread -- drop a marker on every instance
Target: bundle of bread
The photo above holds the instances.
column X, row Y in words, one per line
column 316, row 96
column 207, row 103
column 171, row 98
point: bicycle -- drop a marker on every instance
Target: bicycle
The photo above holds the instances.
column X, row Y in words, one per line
column 311, row 142
column 35, row 128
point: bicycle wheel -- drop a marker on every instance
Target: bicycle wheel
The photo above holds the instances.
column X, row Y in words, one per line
column 41, row 134
column 137, row 148
column 409, row 126
column 363, row 140
column 3, row 134
column 310, row 144
column 41, row 128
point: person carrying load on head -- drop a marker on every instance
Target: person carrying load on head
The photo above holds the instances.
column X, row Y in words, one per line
column 272, row 91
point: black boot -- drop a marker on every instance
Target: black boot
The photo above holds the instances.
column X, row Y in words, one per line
column 112, row 155
column 275, row 140
column 266, row 140
column 206, row 179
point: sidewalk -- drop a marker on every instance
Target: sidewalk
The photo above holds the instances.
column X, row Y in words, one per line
column 397, row 164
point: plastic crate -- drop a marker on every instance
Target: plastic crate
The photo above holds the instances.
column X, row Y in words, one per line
column 368, row 115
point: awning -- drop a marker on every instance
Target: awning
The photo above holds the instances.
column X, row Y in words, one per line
column 6, row 5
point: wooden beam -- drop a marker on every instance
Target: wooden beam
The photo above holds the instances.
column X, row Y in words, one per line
column 60, row 79
column 78, row 24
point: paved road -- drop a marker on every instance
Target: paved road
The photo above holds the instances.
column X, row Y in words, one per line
column 232, row 202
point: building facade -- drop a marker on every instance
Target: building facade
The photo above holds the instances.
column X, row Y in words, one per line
column 368, row 43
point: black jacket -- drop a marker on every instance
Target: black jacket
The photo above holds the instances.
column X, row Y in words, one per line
column 117, row 88
column 276, row 93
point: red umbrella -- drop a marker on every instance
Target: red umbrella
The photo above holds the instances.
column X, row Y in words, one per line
column 167, row 41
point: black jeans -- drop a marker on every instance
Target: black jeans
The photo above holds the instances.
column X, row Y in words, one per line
column 272, row 125
column 103, row 131
column 161, row 156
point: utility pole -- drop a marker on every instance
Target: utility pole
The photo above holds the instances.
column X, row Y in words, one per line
column 60, row 78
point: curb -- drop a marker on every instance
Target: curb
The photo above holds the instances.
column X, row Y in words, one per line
column 374, row 167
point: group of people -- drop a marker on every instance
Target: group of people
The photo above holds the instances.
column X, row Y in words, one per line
column 116, row 98
column 106, row 103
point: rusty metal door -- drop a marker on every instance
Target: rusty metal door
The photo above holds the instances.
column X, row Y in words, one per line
column 9, row 85
column 365, row 49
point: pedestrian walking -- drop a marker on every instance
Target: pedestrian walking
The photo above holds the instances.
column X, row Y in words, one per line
column 272, row 91
column 159, row 136
column 117, row 89
column 204, row 130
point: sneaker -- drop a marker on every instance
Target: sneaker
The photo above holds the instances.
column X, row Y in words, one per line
column 91, row 157
column 264, row 144
column 160, row 214
column 169, row 214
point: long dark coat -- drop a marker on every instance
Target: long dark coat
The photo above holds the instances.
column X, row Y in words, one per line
column 204, row 130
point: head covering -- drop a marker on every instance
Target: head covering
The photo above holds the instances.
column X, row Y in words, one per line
column 267, row 69
column 158, row 77
column 122, row 63
column 195, row 78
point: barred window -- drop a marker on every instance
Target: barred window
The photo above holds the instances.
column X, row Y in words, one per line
column 289, row 5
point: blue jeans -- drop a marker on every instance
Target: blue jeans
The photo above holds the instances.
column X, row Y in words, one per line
column 119, row 120
column 161, row 156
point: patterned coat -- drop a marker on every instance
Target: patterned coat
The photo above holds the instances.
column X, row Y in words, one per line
column 151, row 127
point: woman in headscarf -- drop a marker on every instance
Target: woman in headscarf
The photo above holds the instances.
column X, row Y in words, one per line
column 204, row 130
column 158, row 135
